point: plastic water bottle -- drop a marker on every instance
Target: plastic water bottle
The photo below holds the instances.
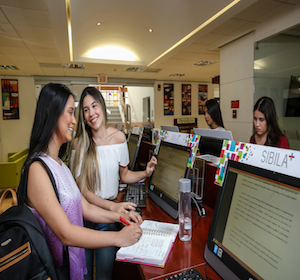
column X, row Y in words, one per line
column 185, row 210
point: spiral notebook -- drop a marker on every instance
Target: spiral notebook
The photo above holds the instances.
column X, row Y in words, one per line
column 154, row 246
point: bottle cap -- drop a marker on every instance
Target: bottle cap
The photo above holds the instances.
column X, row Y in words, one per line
column 184, row 185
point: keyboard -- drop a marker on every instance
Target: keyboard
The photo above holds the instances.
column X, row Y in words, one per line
column 136, row 193
column 190, row 274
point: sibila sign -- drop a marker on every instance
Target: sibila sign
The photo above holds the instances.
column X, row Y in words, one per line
column 285, row 161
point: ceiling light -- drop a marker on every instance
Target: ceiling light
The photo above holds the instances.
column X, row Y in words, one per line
column 134, row 69
column 73, row 66
column 111, row 53
column 176, row 75
column 98, row 23
column 204, row 24
column 8, row 67
column 150, row 30
column 204, row 63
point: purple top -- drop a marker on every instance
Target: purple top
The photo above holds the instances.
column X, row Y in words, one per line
column 70, row 201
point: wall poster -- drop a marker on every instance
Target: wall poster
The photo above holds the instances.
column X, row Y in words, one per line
column 202, row 97
column 10, row 99
column 186, row 91
column 168, row 99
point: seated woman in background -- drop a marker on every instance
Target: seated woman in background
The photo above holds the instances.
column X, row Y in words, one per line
column 213, row 115
column 266, row 128
column 99, row 157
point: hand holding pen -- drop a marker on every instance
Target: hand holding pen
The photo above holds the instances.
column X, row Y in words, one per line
column 136, row 230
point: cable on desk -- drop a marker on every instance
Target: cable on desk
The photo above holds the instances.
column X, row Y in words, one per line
column 197, row 221
column 208, row 278
column 157, row 220
column 151, row 217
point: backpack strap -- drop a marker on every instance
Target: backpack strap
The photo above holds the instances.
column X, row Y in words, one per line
column 21, row 194
column 22, row 189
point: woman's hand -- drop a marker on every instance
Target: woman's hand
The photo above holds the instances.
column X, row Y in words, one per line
column 122, row 207
column 133, row 217
column 129, row 235
column 151, row 166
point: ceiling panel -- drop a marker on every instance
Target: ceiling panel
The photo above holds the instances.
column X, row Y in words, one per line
column 35, row 31
column 29, row 32
column 26, row 4
column 18, row 16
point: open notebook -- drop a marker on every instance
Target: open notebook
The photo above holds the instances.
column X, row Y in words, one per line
column 154, row 246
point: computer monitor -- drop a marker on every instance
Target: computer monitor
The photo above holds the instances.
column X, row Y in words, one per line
column 255, row 227
column 147, row 133
column 172, row 160
column 210, row 146
column 170, row 128
column 134, row 143
column 213, row 133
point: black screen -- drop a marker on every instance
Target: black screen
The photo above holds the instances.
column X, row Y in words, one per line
column 210, row 146
column 293, row 101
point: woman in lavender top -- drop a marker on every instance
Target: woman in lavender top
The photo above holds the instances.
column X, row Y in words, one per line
column 62, row 222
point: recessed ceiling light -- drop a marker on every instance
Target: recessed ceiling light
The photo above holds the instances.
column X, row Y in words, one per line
column 176, row 75
column 8, row 67
column 111, row 53
column 134, row 69
column 204, row 63
column 98, row 23
column 73, row 66
column 150, row 30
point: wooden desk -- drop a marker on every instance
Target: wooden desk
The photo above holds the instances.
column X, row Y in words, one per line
column 183, row 256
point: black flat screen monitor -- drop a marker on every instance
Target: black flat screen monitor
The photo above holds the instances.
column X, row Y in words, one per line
column 293, row 101
column 147, row 133
column 210, row 146
column 254, row 232
column 133, row 148
column 172, row 160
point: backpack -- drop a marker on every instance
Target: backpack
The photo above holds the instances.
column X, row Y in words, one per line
column 24, row 252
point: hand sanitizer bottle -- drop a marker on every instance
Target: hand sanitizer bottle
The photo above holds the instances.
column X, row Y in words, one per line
column 185, row 210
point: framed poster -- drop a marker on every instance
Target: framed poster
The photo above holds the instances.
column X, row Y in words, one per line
column 202, row 97
column 10, row 99
column 168, row 99
column 186, row 91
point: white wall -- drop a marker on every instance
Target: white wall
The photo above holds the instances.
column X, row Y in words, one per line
column 237, row 76
column 236, row 83
column 135, row 97
column 161, row 119
column 15, row 134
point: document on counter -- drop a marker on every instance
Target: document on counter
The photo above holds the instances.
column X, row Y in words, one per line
column 154, row 246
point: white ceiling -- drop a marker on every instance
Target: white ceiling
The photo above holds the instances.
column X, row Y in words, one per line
column 34, row 35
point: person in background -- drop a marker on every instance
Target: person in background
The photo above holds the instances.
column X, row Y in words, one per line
column 213, row 115
column 265, row 125
column 62, row 222
column 99, row 158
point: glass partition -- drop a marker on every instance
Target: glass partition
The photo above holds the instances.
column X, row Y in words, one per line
column 277, row 75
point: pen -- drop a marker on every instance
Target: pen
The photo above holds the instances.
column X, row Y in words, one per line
column 124, row 221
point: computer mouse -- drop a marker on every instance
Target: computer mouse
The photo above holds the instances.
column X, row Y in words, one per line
column 138, row 210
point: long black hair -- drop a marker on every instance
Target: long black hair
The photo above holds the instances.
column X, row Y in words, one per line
column 266, row 106
column 214, row 111
column 51, row 103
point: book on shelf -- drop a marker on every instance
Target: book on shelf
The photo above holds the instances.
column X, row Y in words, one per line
column 154, row 246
